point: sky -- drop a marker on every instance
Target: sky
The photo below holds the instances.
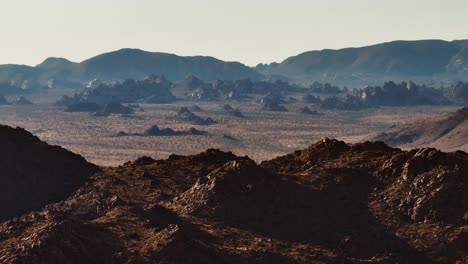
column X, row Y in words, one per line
column 249, row 31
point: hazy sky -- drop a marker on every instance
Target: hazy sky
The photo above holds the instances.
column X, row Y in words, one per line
column 250, row 31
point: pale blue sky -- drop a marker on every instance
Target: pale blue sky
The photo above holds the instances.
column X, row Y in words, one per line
column 250, row 31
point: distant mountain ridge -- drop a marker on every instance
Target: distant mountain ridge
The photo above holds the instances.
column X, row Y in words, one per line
column 420, row 60
column 397, row 60
column 128, row 63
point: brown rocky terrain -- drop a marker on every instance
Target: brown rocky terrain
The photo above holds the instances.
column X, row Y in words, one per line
column 34, row 173
column 329, row 203
column 448, row 132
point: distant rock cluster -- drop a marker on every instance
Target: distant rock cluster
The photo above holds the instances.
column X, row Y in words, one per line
column 197, row 90
column 235, row 112
column 156, row 131
column 402, row 94
column 98, row 110
column 21, row 101
column 185, row 115
column 272, row 102
column 151, row 90
column 307, row 111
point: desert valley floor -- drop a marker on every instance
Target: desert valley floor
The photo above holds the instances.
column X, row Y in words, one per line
column 261, row 135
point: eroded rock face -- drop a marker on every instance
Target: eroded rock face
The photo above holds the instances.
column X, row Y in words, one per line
column 432, row 187
column 329, row 203
column 223, row 187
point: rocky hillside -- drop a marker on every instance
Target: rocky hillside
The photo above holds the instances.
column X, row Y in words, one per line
column 448, row 132
column 34, row 174
column 329, row 203
column 397, row 60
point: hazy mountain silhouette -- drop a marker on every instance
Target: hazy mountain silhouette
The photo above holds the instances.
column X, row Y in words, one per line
column 398, row 59
column 129, row 63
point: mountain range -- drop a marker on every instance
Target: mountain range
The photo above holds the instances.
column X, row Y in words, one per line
column 128, row 63
column 420, row 60
column 397, row 60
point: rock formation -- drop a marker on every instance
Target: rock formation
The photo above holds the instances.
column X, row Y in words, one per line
column 236, row 113
column 184, row 115
column 116, row 108
column 156, row 131
column 329, row 203
column 22, row 101
column 306, row 110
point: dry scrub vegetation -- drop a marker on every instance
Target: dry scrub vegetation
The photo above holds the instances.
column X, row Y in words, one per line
column 261, row 135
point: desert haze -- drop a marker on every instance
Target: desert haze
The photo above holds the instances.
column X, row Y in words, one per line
column 288, row 132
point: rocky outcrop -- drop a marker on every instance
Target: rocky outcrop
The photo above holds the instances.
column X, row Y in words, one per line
column 329, row 203
column 156, row 131
column 307, row 111
column 227, row 107
column 151, row 90
column 115, row 108
column 236, row 113
column 272, row 102
column 310, row 99
column 222, row 191
column 22, row 101
column 184, row 115
column 432, row 187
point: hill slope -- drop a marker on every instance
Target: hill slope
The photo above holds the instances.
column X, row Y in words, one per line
column 34, row 174
column 397, row 60
column 448, row 132
column 330, row 203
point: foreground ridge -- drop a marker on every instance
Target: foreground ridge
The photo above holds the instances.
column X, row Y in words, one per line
column 329, row 203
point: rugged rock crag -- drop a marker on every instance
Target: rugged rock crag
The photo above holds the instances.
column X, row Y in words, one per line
column 329, row 203
column 34, row 174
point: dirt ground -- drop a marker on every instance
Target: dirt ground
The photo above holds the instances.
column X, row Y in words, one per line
column 261, row 135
